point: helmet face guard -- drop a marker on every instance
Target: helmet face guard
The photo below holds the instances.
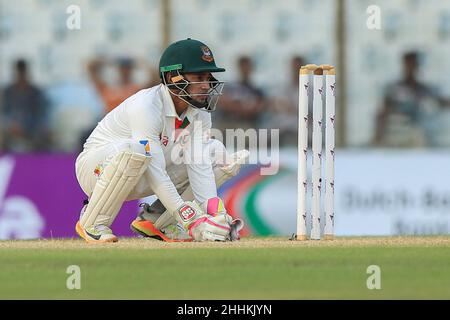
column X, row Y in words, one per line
column 185, row 57
column 180, row 85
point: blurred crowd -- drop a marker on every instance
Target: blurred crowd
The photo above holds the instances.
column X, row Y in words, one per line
column 59, row 119
column 410, row 111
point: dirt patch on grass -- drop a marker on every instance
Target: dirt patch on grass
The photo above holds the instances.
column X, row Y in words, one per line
column 251, row 242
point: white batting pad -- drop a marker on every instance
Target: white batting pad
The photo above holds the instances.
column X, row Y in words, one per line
column 114, row 184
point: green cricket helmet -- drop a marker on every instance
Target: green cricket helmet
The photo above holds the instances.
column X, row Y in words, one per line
column 191, row 56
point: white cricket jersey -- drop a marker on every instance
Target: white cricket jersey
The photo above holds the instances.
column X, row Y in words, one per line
column 149, row 115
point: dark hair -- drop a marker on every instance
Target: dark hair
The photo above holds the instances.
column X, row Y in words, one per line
column 411, row 55
column 21, row 65
column 244, row 59
column 298, row 60
column 125, row 62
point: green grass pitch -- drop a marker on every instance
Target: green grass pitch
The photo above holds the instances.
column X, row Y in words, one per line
column 253, row 268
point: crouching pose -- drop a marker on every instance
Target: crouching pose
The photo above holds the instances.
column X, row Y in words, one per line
column 157, row 142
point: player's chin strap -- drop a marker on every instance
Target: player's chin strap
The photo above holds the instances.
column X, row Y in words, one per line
column 180, row 84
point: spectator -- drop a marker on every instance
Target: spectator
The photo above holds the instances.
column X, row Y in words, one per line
column 113, row 95
column 405, row 120
column 283, row 106
column 76, row 109
column 242, row 103
column 24, row 114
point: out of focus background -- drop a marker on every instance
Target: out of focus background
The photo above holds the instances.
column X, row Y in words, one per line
column 65, row 64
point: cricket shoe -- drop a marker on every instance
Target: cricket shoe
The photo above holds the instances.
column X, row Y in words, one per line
column 96, row 234
column 144, row 225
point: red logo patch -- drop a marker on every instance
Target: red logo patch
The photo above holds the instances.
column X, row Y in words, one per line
column 186, row 213
column 207, row 55
column 165, row 140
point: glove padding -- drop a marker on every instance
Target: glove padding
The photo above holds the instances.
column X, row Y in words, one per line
column 215, row 207
column 209, row 228
column 233, row 165
column 236, row 227
column 202, row 226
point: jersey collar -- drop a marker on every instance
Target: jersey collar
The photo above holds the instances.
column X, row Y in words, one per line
column 169, row 107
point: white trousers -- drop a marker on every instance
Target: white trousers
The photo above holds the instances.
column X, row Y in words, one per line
column 89, row 160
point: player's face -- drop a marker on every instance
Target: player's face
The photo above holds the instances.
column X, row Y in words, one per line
column 199, row 85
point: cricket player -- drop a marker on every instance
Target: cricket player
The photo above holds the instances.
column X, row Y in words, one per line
column 157, row 142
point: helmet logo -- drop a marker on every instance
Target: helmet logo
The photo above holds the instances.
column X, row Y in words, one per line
column 207, row 55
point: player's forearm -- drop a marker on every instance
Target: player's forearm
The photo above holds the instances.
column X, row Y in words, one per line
column 199, row 166
column 163, row 188
column 202, row 180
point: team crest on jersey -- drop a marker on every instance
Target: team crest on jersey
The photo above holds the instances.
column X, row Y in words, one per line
column 146, row 145
column 186, row 212
column 207, row 55
column 165, row 140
